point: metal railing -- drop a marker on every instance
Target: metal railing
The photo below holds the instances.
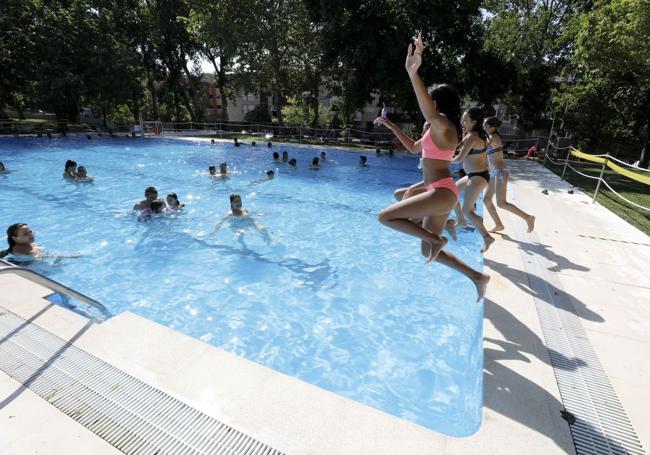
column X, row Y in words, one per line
column 297, row 133
column 7, row 268
column 607, row 161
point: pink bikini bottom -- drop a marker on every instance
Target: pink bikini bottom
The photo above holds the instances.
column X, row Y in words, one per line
column 444, row 183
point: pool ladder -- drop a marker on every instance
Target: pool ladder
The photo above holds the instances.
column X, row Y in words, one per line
column 35, row 277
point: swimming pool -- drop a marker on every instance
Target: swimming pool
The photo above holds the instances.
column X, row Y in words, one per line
column 319, row 290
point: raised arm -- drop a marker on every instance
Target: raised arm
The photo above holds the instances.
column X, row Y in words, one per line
column 427, row 105
column 411, row 145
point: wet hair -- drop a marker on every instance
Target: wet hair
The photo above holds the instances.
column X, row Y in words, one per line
column 223, row 163
column 276, row 155
column 174, row 197
column 69, row 164
column 269, row 145
column 253, row 143
column 150, row 189
column 363, row 159
column 285, row 153
column 476, row 114
column 270, row 173
column 81, row 169
column 2, row 166
column 12, row 231
column 322, row 155
column 236, row 140
column 212, row 141
column 156, row 206
column 391, row 152
column 293, row 162
column 234, row 196
column 448, row 103
column 315, row 161
column 212, row 168
column 377, row 152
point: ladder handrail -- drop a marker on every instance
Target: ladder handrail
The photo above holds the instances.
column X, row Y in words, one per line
column 35, row 277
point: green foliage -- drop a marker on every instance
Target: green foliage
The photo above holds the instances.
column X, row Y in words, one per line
column 258, row 115
column 607, row 84
column 298, row 112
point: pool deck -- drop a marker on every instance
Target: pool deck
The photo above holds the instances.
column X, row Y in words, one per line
column 583, row 251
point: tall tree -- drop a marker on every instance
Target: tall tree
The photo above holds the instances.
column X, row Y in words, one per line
column 608, row 80
column 528, row 36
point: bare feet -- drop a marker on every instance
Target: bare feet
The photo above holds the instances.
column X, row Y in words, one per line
column 437, row 243
column 451, row 229
column 481, row 285
column 531, row 223
column 498, row 227
column 462, row 224
column 487, row 241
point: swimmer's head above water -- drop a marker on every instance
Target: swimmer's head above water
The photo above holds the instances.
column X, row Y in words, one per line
column 223, row 167
column 270, row 173
column 235, row 203
column 212, row 170
column 151, row 194
column 18, row 234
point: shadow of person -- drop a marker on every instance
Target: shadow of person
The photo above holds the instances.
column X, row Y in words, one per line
column 561, row 263
column 518, row 398
column 521, row 340
column 541, row 289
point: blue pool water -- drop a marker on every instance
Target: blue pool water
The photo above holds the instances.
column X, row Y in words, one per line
column 319, row 290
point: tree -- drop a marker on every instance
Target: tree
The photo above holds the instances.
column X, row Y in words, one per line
column 609, row 77
column 218, row 27
column 529, row 37
column 365, row 42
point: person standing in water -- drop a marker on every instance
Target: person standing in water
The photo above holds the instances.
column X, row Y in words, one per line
column 436, row 197
column 499, row 176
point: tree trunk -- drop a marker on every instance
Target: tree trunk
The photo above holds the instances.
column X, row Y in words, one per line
column 220, row 72
column 154, row 97
column 19, row 110
column 644, row 160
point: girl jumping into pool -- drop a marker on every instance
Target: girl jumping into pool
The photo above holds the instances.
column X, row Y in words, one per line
column 499, row 176
column 473, row 156
column 437, row 195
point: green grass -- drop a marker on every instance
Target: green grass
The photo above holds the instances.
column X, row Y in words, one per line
column 636, row 192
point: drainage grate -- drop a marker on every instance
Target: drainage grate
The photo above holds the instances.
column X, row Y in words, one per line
column 601, row 424
column 129, row 414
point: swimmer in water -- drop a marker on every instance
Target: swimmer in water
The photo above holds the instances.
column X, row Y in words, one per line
column 242, row 216
column 362, row 160
column 150, row 195
column 20, row 238
column 276, row 156
column 285, row 156
column 293, row 162
column 3, row 169
column 173, row 203
column 82, row 175
column 315, row 164
column 70, row 171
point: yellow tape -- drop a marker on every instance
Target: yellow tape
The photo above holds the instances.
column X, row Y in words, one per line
column 586, row 156
column 627, row 173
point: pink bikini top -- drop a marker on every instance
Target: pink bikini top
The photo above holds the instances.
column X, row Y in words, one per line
column 432, row 151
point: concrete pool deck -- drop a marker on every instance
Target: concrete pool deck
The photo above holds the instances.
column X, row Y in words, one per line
column 585, row 253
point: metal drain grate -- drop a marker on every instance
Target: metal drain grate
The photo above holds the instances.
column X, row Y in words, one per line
column 601, row 425
column 129, row 414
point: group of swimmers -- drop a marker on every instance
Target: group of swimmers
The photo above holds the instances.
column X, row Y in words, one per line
column 76, row 173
